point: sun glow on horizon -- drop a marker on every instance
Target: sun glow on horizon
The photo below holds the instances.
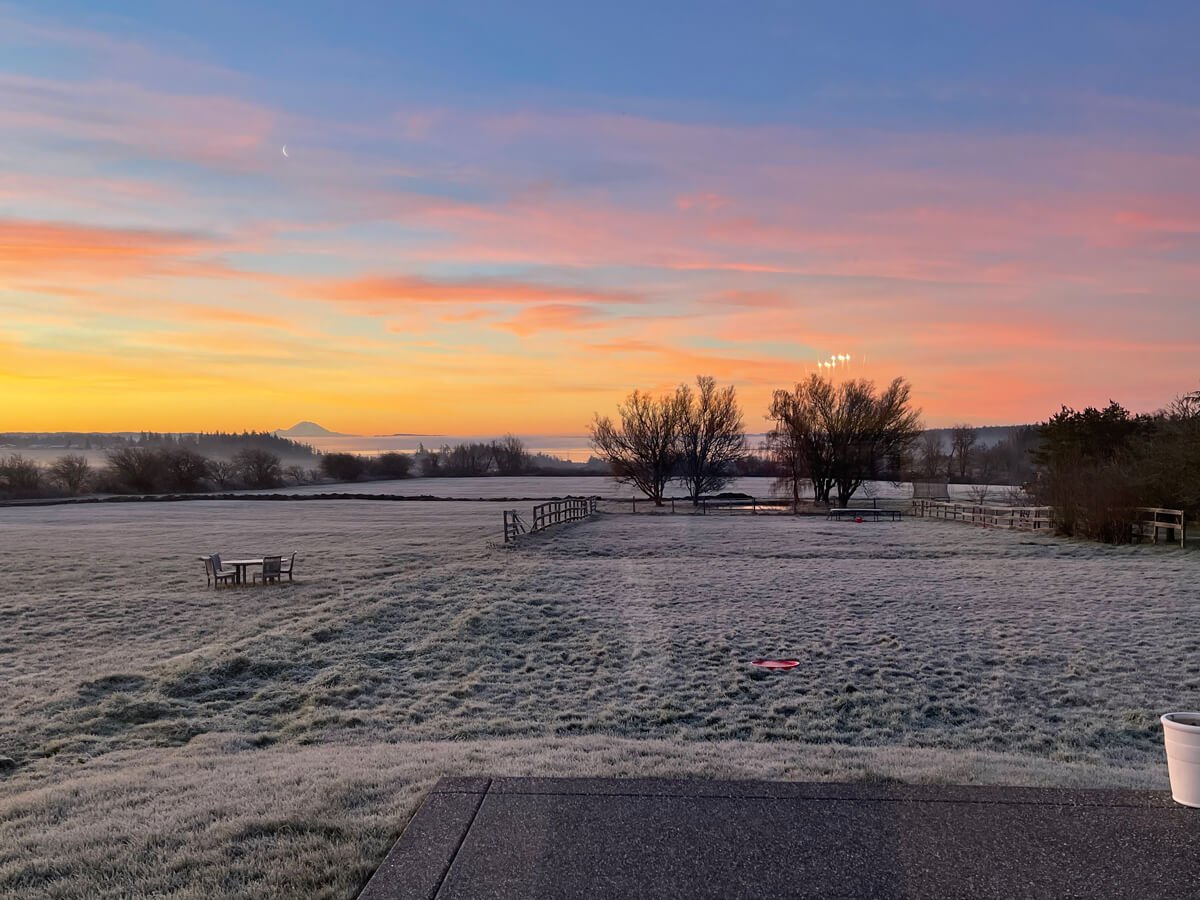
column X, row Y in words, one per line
column 522, row 261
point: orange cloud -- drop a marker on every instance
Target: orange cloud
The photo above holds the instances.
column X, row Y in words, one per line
column 551, row 317
column 31, row 249
column 382, row 295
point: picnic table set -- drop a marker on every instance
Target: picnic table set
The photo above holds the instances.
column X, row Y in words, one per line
column 219, row 571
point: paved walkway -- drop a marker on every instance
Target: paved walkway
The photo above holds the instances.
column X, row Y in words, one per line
column 526, row 838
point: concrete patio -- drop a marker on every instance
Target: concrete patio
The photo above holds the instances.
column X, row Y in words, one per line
column 510, row 838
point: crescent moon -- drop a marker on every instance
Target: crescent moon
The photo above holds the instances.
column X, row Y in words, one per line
column 285, row 149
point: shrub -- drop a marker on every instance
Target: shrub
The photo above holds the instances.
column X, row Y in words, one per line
column 183, row 469
column 258, row 468
column 72, row 472
column 19, row 477
column 136, row 469
column 391, row 465
column 343, row 466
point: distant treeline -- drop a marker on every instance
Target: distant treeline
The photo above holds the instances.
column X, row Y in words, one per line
column 169, row 464
column 136, row 469
column 503, row 456
column 216, row 444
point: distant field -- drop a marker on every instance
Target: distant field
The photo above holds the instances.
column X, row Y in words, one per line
column 540, row 486
column 171, row 740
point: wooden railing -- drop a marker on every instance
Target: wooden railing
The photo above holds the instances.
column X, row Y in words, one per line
column 1154, row 519
column 1023, row 518
column 553, row 512
column 514, row 525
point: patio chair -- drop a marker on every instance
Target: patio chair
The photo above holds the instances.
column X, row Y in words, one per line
column 288, row 565
column 213, row 572
column 271, row 569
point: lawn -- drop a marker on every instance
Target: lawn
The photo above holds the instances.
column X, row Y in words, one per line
column 171, row 740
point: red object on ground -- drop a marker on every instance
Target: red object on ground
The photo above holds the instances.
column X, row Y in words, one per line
column 775, row 663
column 858, row 519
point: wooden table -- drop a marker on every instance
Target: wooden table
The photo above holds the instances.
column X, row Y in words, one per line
column 240, row 566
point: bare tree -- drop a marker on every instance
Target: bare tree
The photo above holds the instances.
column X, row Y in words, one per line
column 223, row 472
column 72, row 472
column 183, row 468
column 932, row 455
column 840, row 436
column 19, row 475
column 798, row 441
column 979, row 492
column 510, row 456
column 139, row 469
column 644, row 450
column 868, row 430
column 711, row 437
column 258, row 468
column 962, row 439
column 465, row 459
column 296, row 473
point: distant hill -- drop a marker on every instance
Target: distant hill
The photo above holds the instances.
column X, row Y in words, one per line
column 308, row 429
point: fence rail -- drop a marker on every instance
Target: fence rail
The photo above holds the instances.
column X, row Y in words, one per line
column 1152, row 521
column 553, row 512
column 1155, row 519
column 571, row 509
column 1022, row 518
column 514, row 525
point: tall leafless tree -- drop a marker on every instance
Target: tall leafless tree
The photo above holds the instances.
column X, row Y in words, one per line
column 839, row 436
column 644, row 449
column 962, row 439
column 798, row 440
column 510, row 456
column 712, row 438
column 933, row 455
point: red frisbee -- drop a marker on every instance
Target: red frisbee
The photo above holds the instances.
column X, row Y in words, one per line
column 775, row 663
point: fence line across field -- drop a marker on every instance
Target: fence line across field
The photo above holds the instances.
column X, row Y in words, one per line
column 1152, row 521
column 1022, row 518
column 553, row 512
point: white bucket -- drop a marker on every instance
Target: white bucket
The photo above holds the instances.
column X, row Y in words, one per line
column 1181, row 733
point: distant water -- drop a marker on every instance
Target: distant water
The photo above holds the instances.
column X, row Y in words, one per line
column 572, row 447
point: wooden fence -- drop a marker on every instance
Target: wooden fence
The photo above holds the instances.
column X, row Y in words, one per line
column 514, row 525
column 1154, row 519
column 571, row 509
column 553, row 512
column 1023, row 518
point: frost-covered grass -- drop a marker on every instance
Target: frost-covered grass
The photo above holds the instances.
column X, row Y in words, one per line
column 272, row 742
column 544, row 486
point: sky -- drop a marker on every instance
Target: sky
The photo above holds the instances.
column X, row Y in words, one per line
column 505, row 216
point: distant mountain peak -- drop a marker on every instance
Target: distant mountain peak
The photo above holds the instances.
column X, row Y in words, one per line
column 308, row 429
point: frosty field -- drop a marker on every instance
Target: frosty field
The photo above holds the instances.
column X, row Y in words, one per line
column 171, row 740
